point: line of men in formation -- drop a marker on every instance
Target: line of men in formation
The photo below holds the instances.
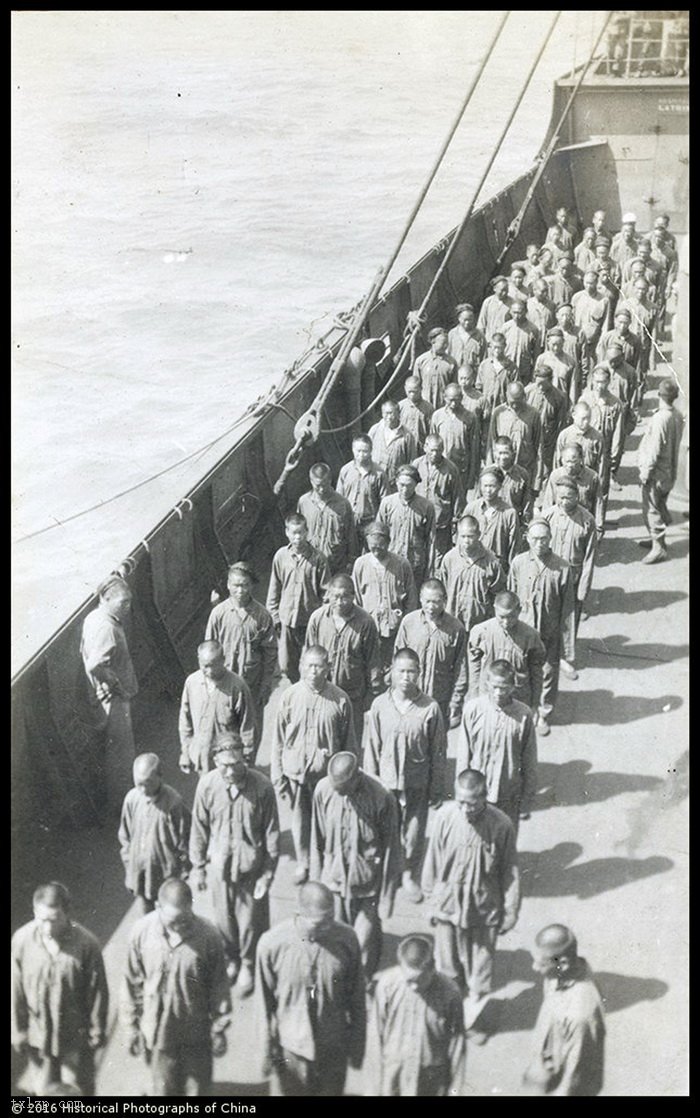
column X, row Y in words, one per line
column 447, row 619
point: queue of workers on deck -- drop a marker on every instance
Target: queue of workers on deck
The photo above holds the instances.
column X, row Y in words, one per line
column 438, row 586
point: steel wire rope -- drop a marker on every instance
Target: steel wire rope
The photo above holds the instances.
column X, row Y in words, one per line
column 650, row 336
column 414, row 317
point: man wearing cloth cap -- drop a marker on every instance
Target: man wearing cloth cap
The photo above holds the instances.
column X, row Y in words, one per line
column 416, row 1031
column 435, row 368
column 393, row 445
column 310, row 999
column 498, row 521
column 405, row 745
column 246, row 632
column 467, row 345
column 521, row 423
column 564, row 368
column 544, row 585
column 234, row 849
column 569, row 1036
column 441, row 484
column 565, row 282
column 384, row 587
column 411, row 523
column 460, row 432
column 350, row 638
column 495, row 308
column 214, row 700
column 472, row 575
column 552, row 406
column 658, row 465
column 471, row 879
column 112, row 683
column 575, row 539
column 356, row 850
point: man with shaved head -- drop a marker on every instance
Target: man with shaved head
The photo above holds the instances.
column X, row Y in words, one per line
column 472, row 575
column 441, row 484
column 573, row 468
column 591, row 308
column 356, row 850
column 496, row 372
column 410, row 519
column 176, row 1005
column 495, row 309
column 384, row 587
column 506, row 637
column 234, row 850
column 552, row 406
column 460, row 432
column 608, row 418
column 657, row 460
column 351, row 640
column 582, row 431
column 522, row 425
column 575, row 539
column 314, row 720
column 59, row 994
column 465, row 342
column 363, row 484
column 415, row 412
column 544, row 583
column 515, row 490
column 568, row 1043
column 498, row 739
column 498, row 521
column 330, row 518
column 440, row 641
column 310, row 999
column 393, row 445
column 214, row 701
column 471, row 879
column 405, row 746
column 564, row 368
column 416, row 1032
column 521, row 337
column 297, row 587
column 154, row 832
column 435, row 368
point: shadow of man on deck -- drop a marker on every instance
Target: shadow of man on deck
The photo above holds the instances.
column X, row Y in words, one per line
column 550, row 873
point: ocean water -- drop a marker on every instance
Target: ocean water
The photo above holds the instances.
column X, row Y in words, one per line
column 195, row 196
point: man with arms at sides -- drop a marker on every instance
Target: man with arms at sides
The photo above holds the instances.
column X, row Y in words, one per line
column 385, row 588
column 471, row 880
column 234, row 849
column 435, row 368
column 363, row 484
column 351, row 640
column 314, row 720
column 415, row 412
column 59, row 994
column 574, row 538
column 298, row 582
column 411, row 523
column 506, row 637
column 310, row 991
column 467, row 345
column 472, row 576
column 441, row 484
column 176, row 1004
column 214, row 700
column 331, row 520
column 416, row 1032
column 246, row 632
column 393, row 445
column 658, row 465
column 498, row 521
column 440, row 642
column 405, row 746
column 568, row 1043
column 356, row 850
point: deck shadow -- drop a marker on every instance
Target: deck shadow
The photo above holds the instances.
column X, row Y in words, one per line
column 617, row 651
column 615, row 599
column 605, row 708
column 550, row 873
column 519, row 1014
column 241, row 1090
column 571, row 784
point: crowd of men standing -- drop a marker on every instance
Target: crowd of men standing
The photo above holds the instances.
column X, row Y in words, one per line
column 439, row 585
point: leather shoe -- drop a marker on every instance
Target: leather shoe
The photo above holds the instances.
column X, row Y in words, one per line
column 412, row 889
column 301, row 874
column 543, row 727
column 568, row 669
column 244, row 986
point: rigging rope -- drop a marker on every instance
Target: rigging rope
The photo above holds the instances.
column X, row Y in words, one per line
column 307, row 428
column 515, row 225
column 415, row 317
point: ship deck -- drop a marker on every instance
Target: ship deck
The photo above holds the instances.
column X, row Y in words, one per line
column 605, row 850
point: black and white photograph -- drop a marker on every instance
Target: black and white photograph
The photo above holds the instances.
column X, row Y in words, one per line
column 350, row 522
